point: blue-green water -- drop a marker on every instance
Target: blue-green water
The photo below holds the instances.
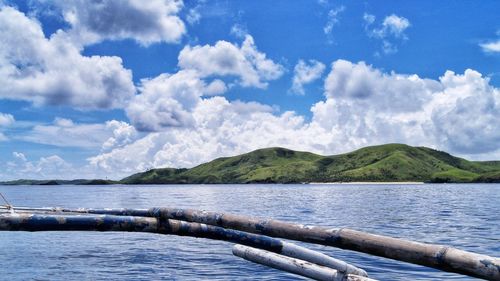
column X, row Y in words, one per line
column 461, row 215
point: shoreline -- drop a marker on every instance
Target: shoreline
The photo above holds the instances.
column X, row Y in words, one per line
column 368, row 182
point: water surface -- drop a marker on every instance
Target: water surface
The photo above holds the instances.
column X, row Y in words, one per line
column 466, row 216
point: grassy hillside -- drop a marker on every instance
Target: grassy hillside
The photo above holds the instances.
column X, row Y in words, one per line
column 390, row 162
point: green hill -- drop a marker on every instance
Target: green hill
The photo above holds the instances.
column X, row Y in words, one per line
column 383, row 163
column 59, row 182
column 390, row 162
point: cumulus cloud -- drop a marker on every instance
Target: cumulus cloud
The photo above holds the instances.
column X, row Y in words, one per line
column 305, row 73
column 468, row 120
column 146, row 22
column 407, row 108
column 360, row 81
column 122, row 134
column 167, row 100
column 65, row 133
column 363, row 106
column 251, row 66
column 52, row 70
column 390, row 31
column 6, row 119
column 50, row 167
column 491, row 47
column 222, row 129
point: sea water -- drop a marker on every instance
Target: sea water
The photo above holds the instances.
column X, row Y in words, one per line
column 465, row 216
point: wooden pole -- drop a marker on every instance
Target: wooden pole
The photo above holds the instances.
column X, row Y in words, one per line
column 292, row 265
column 70, row 222
column 436, row 256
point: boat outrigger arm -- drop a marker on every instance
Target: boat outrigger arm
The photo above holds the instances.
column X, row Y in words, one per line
column 258, row 235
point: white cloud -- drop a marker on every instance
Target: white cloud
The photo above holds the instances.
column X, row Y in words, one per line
column 221, row 128
column 6, row 119
column 333, row 19
column 19, row 156
column 50, row 167
column 65, row 133
column 363, row 106
column 305, row 73
column 123, row 134
column 52, row 71
column 390, row 31
column 491, row 47
column 468, row 121
column 194, row 14
column 239, row 30
column 391, row 91
column 216, row 87
column 146, row 22
column 167, row 100
column 394, row 25
column 368, row 18
column 227, row 59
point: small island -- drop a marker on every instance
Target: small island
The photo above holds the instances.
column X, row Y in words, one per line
column 383, row 163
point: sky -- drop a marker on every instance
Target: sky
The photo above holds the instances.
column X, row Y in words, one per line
column 103, row 89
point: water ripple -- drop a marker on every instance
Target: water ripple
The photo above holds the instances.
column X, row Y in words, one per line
column 463, row 216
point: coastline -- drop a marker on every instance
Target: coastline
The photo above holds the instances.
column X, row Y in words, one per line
column 368, row 182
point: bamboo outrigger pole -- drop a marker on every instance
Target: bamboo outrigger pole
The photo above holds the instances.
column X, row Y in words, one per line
column 70, row 222
column 437, row 256
column 295, row 266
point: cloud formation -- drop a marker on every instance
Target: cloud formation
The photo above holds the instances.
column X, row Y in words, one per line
column 390, row 31
column 53, row 71
column 167, row 100
column 6, row 119
column 491, row 47
column 146, row 22
column 305, row 73
column 65, row 133
column 363, row 106
column 245, row 62
column 194, row 14
column 333, row 19
column 50, row 167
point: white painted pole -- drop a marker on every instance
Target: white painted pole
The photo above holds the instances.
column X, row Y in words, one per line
column 292, row 265
column 295, row 251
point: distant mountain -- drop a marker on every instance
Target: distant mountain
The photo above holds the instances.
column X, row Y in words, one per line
column 59, row 182
column 383, row 163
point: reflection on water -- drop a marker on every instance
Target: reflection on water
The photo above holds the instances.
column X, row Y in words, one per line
column 463, row 216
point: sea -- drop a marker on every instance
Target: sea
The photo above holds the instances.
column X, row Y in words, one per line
column 465, row 216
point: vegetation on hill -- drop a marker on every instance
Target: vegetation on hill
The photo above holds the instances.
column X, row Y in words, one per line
column 59, row 182
column 390, row 162
column 383, row 163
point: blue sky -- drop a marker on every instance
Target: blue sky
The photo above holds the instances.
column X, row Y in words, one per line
column 108, row 88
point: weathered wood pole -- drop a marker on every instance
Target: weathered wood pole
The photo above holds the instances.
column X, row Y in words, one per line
column 301, row 253
column 431, row 255
column 58, row 222
column 292, row 265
